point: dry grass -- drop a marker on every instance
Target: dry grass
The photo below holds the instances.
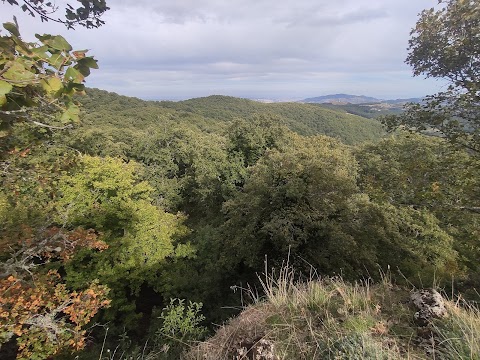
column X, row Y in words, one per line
column 251, row 325
column 459, row 334
column 327, row 318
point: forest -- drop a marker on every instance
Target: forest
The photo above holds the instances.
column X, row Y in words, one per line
column 133, row 229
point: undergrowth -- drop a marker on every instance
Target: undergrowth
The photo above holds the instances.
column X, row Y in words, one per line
column 459, row 334
column 317, row 318
column 328, row 318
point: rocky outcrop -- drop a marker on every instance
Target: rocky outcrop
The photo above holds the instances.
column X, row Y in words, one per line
column 429, row 304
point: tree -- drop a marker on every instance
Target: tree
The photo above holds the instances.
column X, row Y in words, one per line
column 39, row 315
column 38, row 81
column 106, row 194
column 305, row 202
column 88, row 14
column 426, row 173
column 251, row 139
column 421, row 172
column 445, row 44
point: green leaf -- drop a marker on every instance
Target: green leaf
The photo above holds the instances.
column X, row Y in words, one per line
column 84, row 70
column 76, row 87
column 70, row 114
column 88, row 61
column 57, row 60
column 6, row 46
column 5, row 87
column 18, row 73
column 57, row 42
column 52, row 85
column 55, row 83
column 74, row 75
column 60, row 43
column 41, row 52
column 11, row 28
column 43, row 38
column 3, row 100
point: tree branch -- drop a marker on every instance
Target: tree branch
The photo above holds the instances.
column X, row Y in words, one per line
column 50, row 126
column 25, row 112
column 42, row 15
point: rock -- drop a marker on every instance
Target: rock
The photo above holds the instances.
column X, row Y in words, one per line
column 258, row 349
column 430, row 305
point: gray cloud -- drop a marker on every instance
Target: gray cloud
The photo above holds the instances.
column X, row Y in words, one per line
column 186, row 48
column 320, row 17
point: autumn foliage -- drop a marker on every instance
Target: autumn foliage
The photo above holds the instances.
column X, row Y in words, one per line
column 36, row 308
column 44, row 315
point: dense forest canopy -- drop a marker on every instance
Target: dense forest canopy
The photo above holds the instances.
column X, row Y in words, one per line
column 134, row 220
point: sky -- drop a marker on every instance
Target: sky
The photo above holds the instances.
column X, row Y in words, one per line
column 260, row 49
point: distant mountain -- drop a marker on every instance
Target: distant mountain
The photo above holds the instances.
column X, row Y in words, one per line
column 403, row 101
column 342, row 99
column 361, row 105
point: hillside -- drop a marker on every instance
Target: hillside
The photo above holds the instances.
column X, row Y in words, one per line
column 331, row 319
column 370, row 111
column 214, row 112
column 363, row 106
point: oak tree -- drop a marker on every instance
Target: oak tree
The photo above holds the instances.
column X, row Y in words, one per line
column 445, row 45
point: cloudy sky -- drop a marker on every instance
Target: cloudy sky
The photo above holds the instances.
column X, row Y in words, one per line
column 280, row 49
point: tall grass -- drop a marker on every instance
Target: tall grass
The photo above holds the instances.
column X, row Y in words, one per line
column 459, row 334
column 323, row 318
column 328, row 318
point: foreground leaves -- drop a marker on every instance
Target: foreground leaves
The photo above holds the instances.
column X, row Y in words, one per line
column 38, row 80
column 44, row 316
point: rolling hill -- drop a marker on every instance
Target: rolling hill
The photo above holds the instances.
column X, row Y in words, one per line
column 213, row 113
column 361, row 105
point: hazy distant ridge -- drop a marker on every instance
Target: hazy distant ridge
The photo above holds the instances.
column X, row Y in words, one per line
column 354, row 99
